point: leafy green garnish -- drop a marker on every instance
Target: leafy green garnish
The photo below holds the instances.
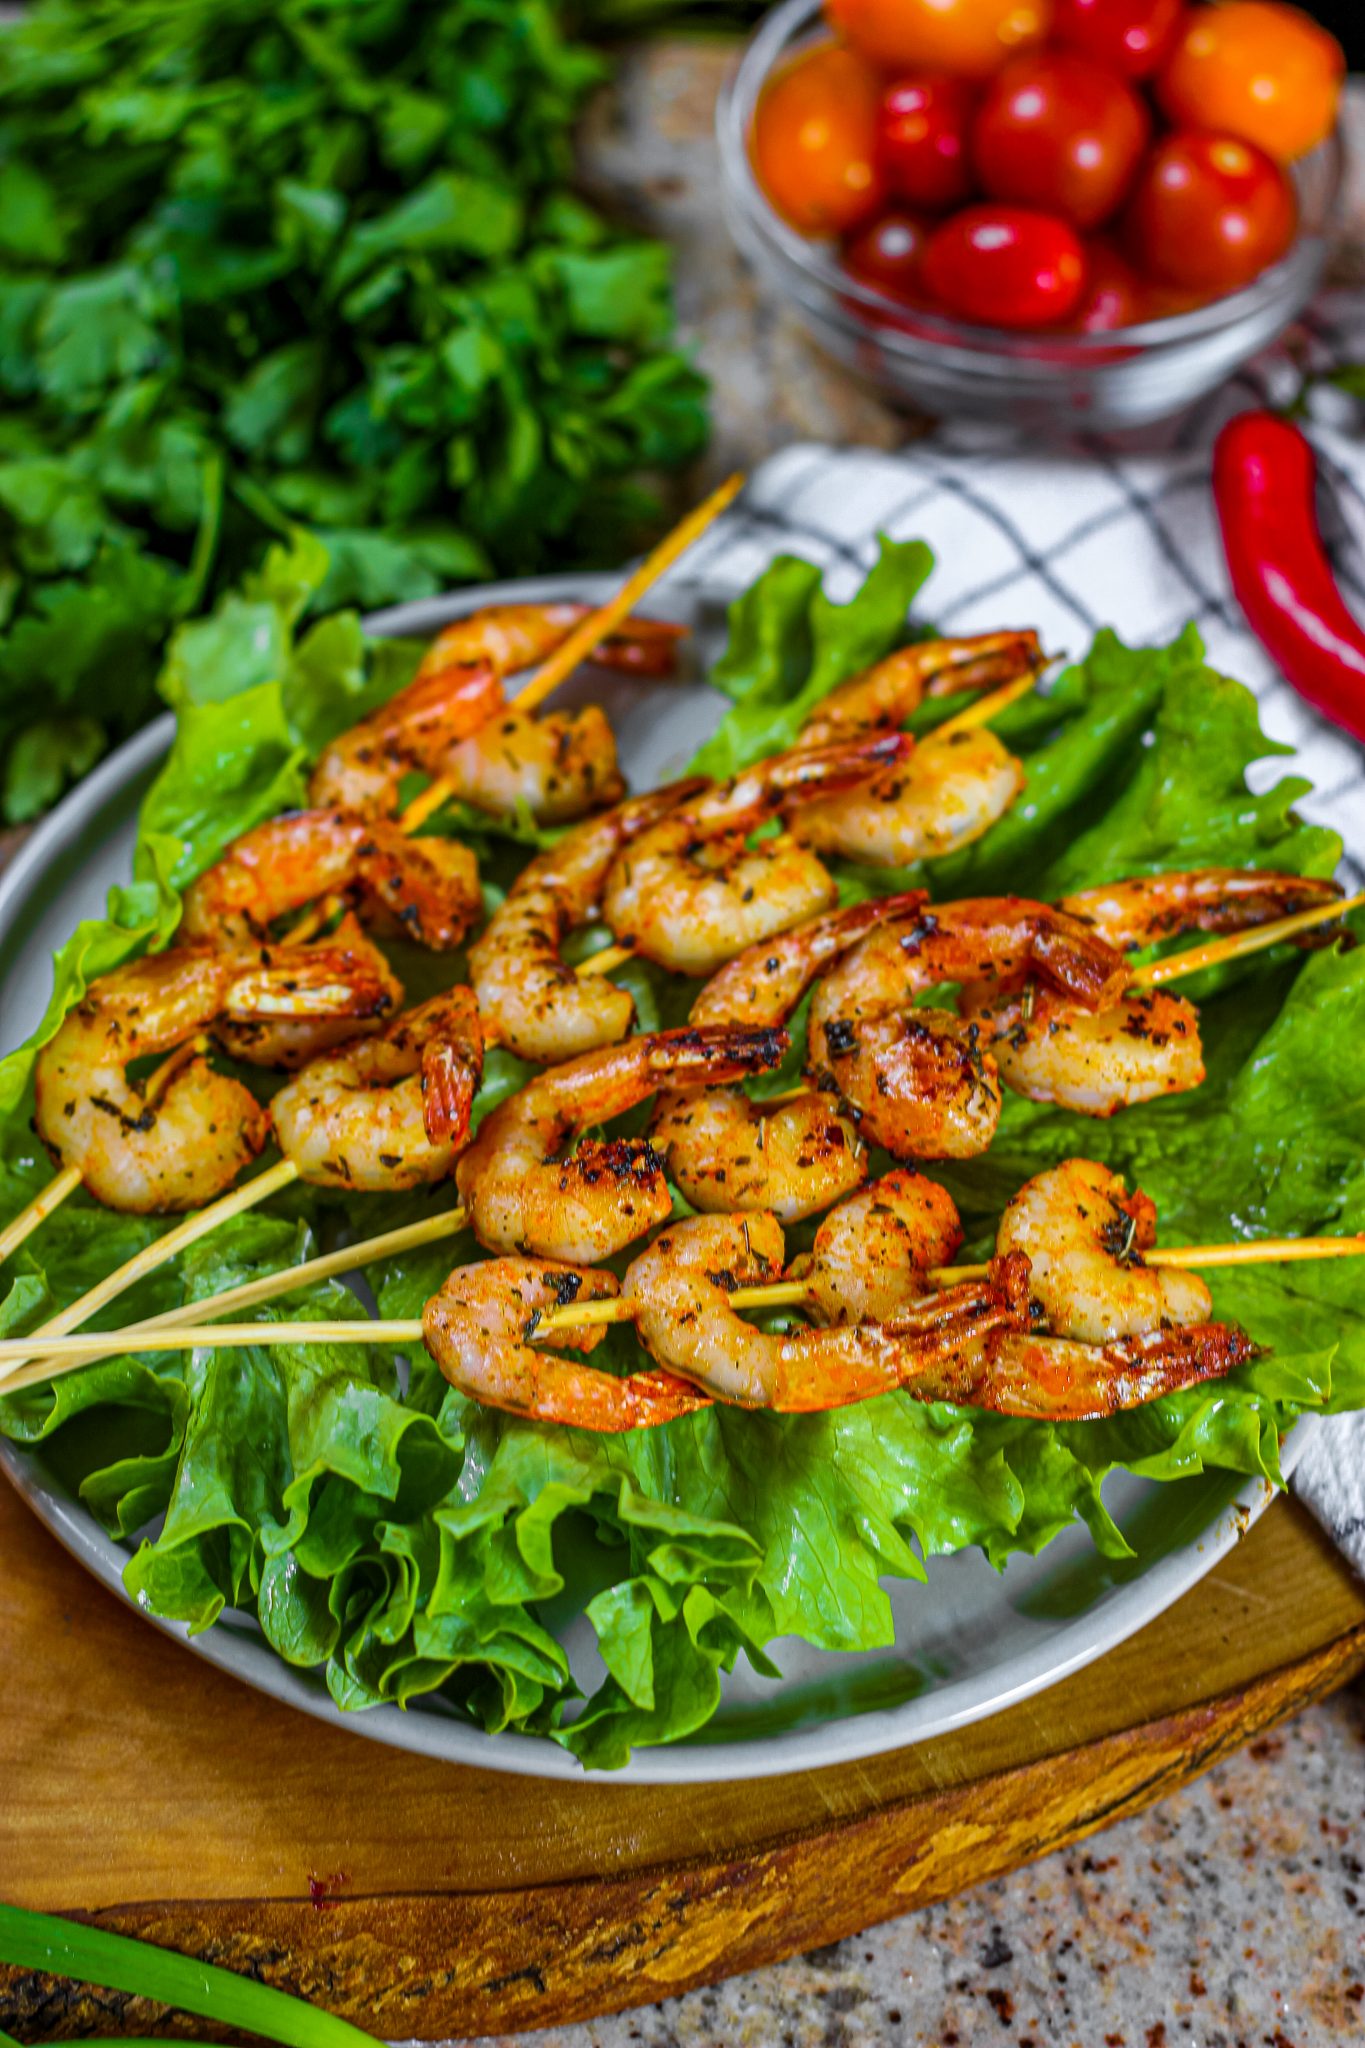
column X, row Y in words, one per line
column 402, row 1540
column 266, row 265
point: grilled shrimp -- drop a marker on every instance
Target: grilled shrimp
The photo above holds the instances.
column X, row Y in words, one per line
column 950, row 790
column 1142, row 1046
column 427, row 889
column 726, row 1151
column 457, row 690
column 883, row 697
column 871, row 1253
column 1122, row 1333
column 539, row 1007
column 187, row 1144
column 388, row 1112
column 477, row 1327
column 681, row 1288
column 591, row 1205
column 921, row 1080
column 691, row 892
column 944, row 796
column 556, row 767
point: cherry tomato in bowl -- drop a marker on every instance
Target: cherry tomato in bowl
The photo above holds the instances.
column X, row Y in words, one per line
column 967, row 38
column 814, row 140
column 1129, row 36
column 1209, row 212
column 923, row 139
column 888, row 252
column 1255, row 69
column 1005, row 266
column 1057, row 131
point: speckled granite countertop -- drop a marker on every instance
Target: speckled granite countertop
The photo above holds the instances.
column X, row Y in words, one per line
column 1232, row 1915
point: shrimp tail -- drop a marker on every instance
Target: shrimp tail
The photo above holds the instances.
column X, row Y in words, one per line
column 1057, row 1379
column 310, row 981
column 452, row 1067
column 642, row 647
column 807, row 774
column 710, row 1055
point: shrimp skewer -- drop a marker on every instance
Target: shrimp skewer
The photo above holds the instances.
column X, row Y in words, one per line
column 726, row 1151
column 691, row 892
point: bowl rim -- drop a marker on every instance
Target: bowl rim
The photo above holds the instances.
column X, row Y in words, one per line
column 780, row 35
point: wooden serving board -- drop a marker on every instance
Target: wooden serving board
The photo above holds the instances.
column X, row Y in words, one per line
column 145, row 1790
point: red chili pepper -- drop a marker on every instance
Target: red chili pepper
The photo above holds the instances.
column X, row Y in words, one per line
column 1264, row 473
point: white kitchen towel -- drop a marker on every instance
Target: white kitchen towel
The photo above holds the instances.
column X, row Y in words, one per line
column 1104, row 531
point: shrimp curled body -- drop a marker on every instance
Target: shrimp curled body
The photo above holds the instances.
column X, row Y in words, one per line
column 187, row 1145
column 477, row 1327
column 591, row 1205
column 691, row 892
column 391, row 1111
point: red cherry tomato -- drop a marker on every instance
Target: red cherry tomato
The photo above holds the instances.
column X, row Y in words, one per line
column 1114, row 295
column 969, row 38
column 887, row 253
column 814, row 140
column 922, row 140
column 1131, row 36
column 1059, row 132
column 1209, row 212
column 1005, row 266
column 1258, row 70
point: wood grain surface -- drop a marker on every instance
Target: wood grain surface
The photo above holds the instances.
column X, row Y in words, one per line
column 145, row 1790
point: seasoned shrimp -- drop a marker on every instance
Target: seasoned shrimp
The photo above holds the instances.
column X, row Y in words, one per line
column 883, row 697
column 388, row 1112
column 289, row 1042
column 555, row 768
column 1142, row 1046
column 1140, row 911
column 871, row 1253
column 921, row 1080
column 726, row 1151
column 591, row 1205
column 427, row 889
column 457, row 689
column 691, row 893
column 188, row 1144
column 536, row 1004
column 1085, row 1236
column 477, row 1327
column 944, row 796
column 1057, row 1379
column 681, row 1288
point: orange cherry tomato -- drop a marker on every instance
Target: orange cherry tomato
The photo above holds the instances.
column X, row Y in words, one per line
column 1005, row 266
column 1209, row 212
column 967, row 38
column 1060, row 132
column 1255, row 69
column 814, row 140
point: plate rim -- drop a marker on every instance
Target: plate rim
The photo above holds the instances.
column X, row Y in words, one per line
column 441, row 1735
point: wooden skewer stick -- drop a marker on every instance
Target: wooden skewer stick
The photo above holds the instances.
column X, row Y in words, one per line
column 1237, row 945
column 987, row 708
column 66, row 1353
column 147, row 1260
column 597, row 627
column 251, row 1293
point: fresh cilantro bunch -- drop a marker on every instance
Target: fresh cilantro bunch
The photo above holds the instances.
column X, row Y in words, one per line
column 269, row 263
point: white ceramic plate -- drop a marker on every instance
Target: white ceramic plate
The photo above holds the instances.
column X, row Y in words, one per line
column 968, row 1643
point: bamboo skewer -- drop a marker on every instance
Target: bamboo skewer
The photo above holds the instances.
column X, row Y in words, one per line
column 38, row 1210
column 987, row 708
column 1237, row 945
column 66, row 1353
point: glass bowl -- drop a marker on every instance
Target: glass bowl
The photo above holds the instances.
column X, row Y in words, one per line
column 1042, row 380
